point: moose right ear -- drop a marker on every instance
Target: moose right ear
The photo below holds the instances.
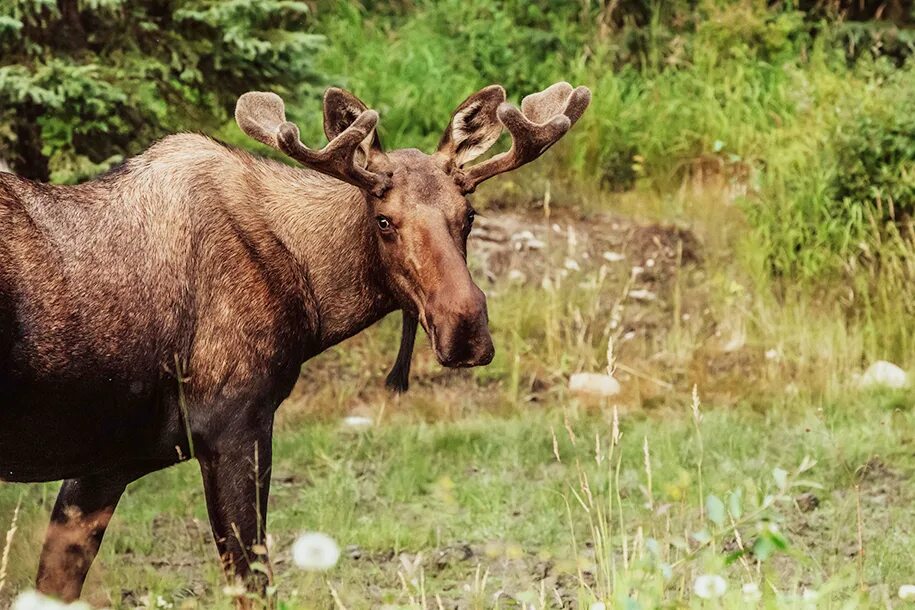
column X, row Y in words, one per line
column 341, row 109
column 474, row 127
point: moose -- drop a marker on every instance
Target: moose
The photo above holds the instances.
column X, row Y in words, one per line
column 162, row 311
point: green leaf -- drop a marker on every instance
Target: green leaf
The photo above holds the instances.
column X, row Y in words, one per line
column 763, row 548
column 735, row 503
column 781, row 477
column 733, row 556
column 714, row 508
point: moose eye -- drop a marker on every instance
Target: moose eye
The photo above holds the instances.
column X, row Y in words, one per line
column 471, row 215
column 384, row 223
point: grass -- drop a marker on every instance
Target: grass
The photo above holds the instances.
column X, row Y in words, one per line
column 444, row 503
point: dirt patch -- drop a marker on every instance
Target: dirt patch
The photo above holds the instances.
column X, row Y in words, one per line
column 511, row 244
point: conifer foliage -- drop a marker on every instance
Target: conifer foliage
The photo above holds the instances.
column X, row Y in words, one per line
column 84, row 83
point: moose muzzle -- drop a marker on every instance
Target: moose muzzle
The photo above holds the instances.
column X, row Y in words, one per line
column 458, row 324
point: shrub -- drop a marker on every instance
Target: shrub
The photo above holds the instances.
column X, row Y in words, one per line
column 876, row 153
column 85, row 83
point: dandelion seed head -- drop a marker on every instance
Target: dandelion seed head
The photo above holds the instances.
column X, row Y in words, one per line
column 32, row 600
column 236, row 590
column 315, row 551
column 710, row 586
column 163, row 603
column 751, row 591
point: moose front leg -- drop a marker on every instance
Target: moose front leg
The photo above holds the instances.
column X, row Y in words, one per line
column 81, row 514
column 236, row 478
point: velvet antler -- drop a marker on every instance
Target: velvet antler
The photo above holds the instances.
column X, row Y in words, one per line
column 262, row 116
column 542, row 120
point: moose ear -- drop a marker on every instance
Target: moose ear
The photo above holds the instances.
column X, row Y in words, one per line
column 341, row 108
column 474, row 126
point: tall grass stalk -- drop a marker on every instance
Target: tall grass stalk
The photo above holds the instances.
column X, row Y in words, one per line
column 8, row 545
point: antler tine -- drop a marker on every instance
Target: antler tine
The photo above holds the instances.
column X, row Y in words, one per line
column 543, row 119
column 337, row 158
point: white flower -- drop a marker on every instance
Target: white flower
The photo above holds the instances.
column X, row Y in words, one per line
column 907, row 592
column 710, row 586
column 235, row 590
column 315, row 551
column 32, row 600
column 161, row 602
column 357, row 422
column 571, row 264
column 598, row 606
column 751, row 592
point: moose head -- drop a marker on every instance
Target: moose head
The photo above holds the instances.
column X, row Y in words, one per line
column 417, row 203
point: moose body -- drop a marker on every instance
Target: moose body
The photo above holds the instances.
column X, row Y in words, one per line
column 115, row 290
column 163, row 311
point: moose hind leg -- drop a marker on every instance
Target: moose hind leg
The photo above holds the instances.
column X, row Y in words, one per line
column 236, row 479
column 81, row 514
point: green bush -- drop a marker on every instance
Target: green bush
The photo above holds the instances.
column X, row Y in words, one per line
column 876, row 153
column 83, row 84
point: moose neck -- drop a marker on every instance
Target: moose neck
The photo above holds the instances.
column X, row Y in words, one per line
column 325, row 226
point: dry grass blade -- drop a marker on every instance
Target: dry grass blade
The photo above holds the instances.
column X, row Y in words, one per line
column 10, row 534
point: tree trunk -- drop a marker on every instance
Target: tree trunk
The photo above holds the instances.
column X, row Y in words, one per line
column 27, row 159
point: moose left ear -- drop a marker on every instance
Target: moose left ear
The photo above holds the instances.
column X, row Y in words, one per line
column 474, row 127
column 341, row 108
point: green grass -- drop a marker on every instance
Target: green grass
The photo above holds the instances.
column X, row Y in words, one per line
column 494, row 484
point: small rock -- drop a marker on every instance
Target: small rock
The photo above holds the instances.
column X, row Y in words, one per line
column 643, row 295
column 594, row 384
column 517, row 276
column 354, row 552
column 525, row 240
column 907, row 592
column 735, row 343
column 807, row 502
column 613, row 257
column 884, row 374
column 357, row 422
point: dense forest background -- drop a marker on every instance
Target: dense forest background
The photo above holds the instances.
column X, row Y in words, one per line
column 809, row 106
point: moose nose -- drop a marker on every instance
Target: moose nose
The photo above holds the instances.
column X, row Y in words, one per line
column 460, row 328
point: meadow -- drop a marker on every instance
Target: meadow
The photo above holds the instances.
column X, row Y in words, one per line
column 727, row 232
